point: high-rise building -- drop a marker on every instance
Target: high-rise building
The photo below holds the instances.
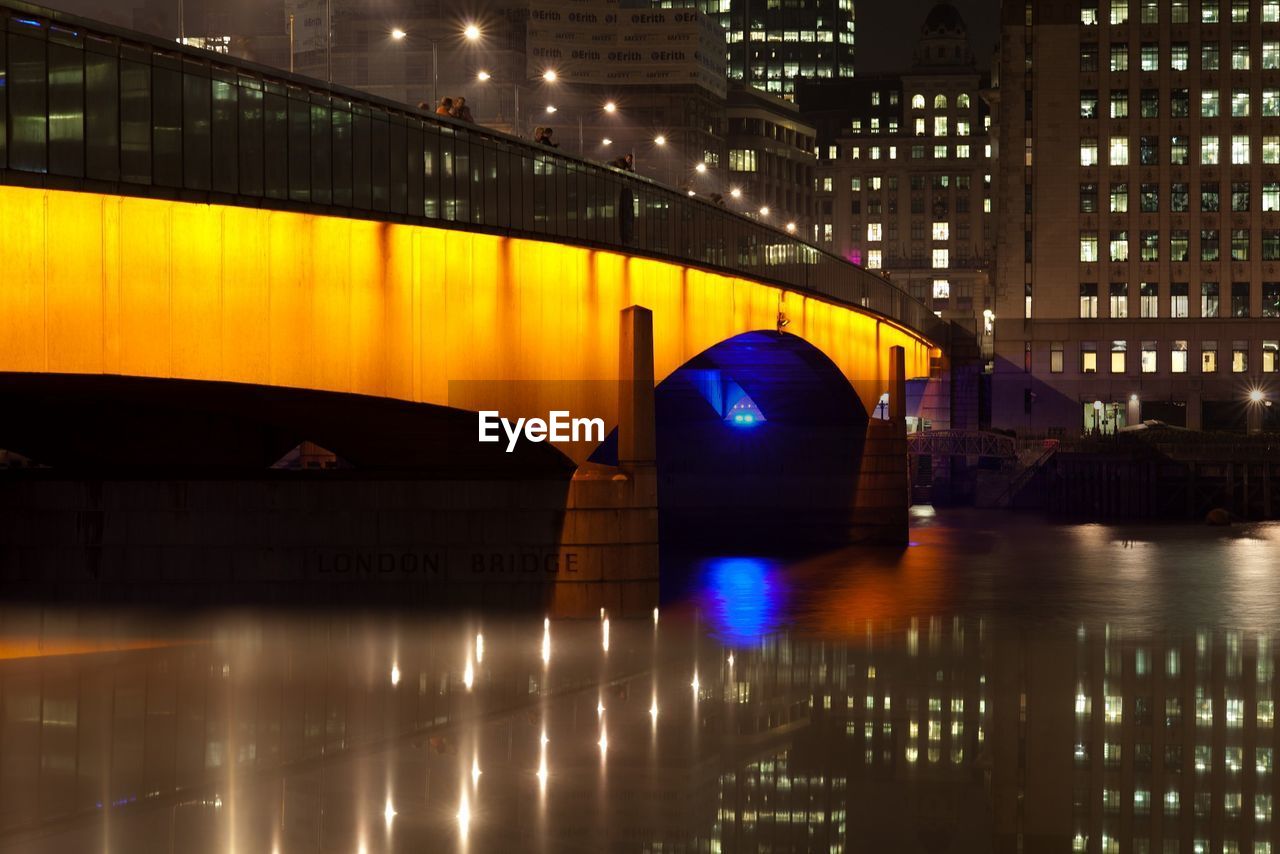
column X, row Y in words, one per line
column 772, row 44
column 771, row 160
column 1138, row 233
column 904, row 172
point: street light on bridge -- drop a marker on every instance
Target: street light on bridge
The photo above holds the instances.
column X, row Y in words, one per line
column 470, row 32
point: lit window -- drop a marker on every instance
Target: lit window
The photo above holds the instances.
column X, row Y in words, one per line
column 1088, row 246
column 1150, row 58
column 941, row 289
column 1055, row 357
column 1088, row 152
column 1088, row 300
column 1119, row 56
column 1209, row 103
column 1208, row 357
column 873, row 259
column 1178, row 357
column 1120, row 151
column 939, row 125
column 1239, row 150
column 941, row 230
column 1209, row 151
column 1119, row 246
column 1088, row 365
column 941, row 259
column 1179, row 56
column 1119, row 303
column 1209, row 11
column 1119, row 11
column 1178, row 299
column 874, row 232
column 1148, row 357
column 1149, row 299
column 1118, row 349
column 1239, row 364
column 939, row 102
column 917, row 102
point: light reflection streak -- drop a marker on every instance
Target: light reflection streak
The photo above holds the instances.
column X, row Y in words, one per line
column 605, row 634
column 468, row 674
column 479, row 647
column 603, row 742
column 695, row 684
column 389, row 812
column 542, row 762
column 600, row 708
column 653, row 710
column 546, row 640
column 464, row 815
column 655, row 616
column 475, row 770
column 395, row 674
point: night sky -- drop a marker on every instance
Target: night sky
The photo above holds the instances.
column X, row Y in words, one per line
column 887, row 29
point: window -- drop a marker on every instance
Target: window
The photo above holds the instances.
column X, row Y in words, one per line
column 1271, row 102
column 1179, row 55
column 1179, row 245
column 1179, row 13
column 1178, row 299
column 1088, row 103
column 941, row 259
column 1119, row 198
column 1239, row 196
column 1239, row 11
column 1149, row 198
column 873, row 259
column 1088, row 198
column 1150, row 299
column 1178, row 358
column 1179, row 198
column 1209, row 56
column 1150, row 11
column 962, row 101
column 1210, row 198
column 1179, row 151
column 939, row 102
column 1088, row 59
column 1239, row 244
column 939, row 125
column 1119, row 299
column 1209, row 103
column 1150, row 101
column 1179, row 103
column 742, row 160
column 1239, row 56
column 1239, row 357
column 875, row 232
column 1240, row 150
column 1120, row 151
column 1119, row 103
column 1150, row 57
column 1147, row 357
column 941, row 230
column 917, row 102
column 1270, row 245
column 1270, row 56
column 1239, row 103
column 1208, row 357
column 941, row 289
column 1270, row 11
column 1119, row 56
column 1271, row 299
column 1209, row 11
column 1208, row 299
column 1119, row 247
column 1119, row 12
column 1088, row 357
column 1271, row 196
column 1271, row 150
column 1149, row 245
column 1088, row 152
column 1270, row 365
column 1209, row 245
column 1088, row 301
column 1089, row 246
column 1149, row 150
column 1239, row 299
column 1118, row 349
column 1209, row 151
column 1055, row 357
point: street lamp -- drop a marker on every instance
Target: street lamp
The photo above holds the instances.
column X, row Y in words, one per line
column 735, row 192
column 791, row 227
column 659, row 140
column 470, row 32
column 1257, row 396
column 610, row 107
column 550, row 75
column 701, row 168
column 764, row 211
column 483, row 75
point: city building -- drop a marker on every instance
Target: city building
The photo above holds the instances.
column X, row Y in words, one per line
column 772, row 45
column 1138, row 215
column 904, row 172
column 771, row 159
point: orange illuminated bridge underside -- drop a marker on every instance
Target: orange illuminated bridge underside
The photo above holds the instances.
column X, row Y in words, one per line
column 106, row 284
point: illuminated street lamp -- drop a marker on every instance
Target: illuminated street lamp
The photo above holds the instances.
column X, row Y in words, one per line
column 791, row 227
column 398, row 34
column 735, row 192
column 764, row 211
column 550, row 75
column 701, row 168
column 610, row 107
column 659, row 140
column 483, row 76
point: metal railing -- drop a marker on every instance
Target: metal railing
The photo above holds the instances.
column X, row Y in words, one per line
column 86, row 106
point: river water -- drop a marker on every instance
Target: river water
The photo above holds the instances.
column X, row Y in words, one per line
column 1000, row 685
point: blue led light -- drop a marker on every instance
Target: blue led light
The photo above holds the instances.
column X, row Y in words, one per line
column 27, row 21
column 741, row 596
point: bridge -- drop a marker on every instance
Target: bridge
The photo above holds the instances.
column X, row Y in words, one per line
column 208, row 263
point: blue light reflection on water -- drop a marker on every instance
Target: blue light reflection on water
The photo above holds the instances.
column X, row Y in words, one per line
column 741, row 596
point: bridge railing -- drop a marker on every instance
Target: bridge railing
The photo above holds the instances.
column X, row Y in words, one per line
column 86, row 106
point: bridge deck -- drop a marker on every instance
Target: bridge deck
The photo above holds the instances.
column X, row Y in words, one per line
column 87, row 106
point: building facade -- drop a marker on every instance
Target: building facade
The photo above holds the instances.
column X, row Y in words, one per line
column 904, row 176
column 1138, row 235
column 770, row 168
column 771, row 45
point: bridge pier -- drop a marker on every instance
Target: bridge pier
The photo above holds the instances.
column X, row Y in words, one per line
column 880, row 513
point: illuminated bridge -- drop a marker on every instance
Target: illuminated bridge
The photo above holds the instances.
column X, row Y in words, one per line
column 208, row 263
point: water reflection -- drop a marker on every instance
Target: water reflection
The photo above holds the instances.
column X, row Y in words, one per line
column 798, row 722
